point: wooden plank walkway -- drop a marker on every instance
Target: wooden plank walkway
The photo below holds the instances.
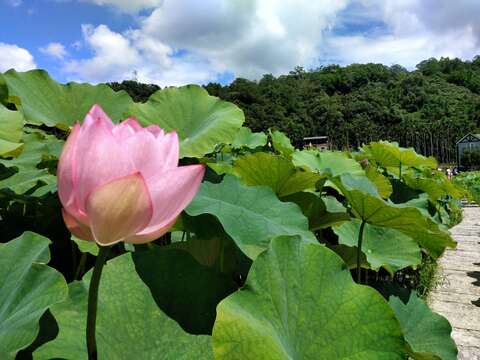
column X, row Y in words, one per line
column 457, row 296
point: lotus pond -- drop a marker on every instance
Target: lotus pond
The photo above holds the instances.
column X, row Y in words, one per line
column 283, row 253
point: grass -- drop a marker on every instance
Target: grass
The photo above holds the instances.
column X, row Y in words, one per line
column 426, row 277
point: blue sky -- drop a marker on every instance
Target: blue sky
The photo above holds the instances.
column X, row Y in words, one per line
column 173, row 42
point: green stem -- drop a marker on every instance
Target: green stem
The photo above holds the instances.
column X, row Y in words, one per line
column 400, row 171
column 92, row 301
column 359, row 250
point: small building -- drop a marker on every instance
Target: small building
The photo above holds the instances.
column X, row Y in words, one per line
column 319, row 142
column 467, row 145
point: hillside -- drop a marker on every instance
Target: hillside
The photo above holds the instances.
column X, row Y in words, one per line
column 429, row 108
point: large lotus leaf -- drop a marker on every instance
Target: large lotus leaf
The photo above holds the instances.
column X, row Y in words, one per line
column 300, row 302
column 409, row 220
column 38, row 147
column 11, row 125
column 274, row 171
column 23, row 181
column 382, row 246
column 403, row 193
column 349, row 256
column 185, row 290
column 251, row 215
column 3, row 91
column 381, row 182
column 435, row 186
column 427, row 333
column 245, row 138
column 44, row 101
column 281, row 143
column 389, row 154
column 332, row 163
column 85, row 246
column 201, row 121
column 28, row 287
column 129, row 322
column 321, row 212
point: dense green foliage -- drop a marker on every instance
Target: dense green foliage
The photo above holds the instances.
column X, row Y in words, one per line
column 471, row 181
column 428, row 109
column 258, row 266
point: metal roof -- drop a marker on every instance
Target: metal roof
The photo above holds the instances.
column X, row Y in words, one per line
column 477, row 136
column 315, row 138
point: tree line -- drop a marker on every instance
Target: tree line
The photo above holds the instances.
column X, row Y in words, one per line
column 429, row 108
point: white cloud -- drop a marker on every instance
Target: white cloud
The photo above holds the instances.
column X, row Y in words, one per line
column 55, row 50
column 406, row 51
column 414, row 31
column 253, row 37
column 12, row 56
column 15, row 3
column 128, row 6
column 248, row 37
column 119, row 56
column 114, row 57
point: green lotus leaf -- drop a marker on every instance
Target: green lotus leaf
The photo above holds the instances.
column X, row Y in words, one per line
column 408, row 220
column 3, row 91
column 28, row 287
column 24, row 181
column 281, row 143
column 245, row 138
column 349, row 256
column 300, row 302
column 201, row 121
column 274, row 171
column 250, row 215
column 185, row 290
column 436, row 187
column 85, row 246
column 129, row 322
column 427, row 333
column 38, row 147
column 332, row 163
column 389, row 154
column 382, row 246
column 381, row 182
column 321, row 212
column 11, row 125
column 44, row 101
column 402, row 193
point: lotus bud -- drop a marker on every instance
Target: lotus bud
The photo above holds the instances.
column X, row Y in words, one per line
column 122, row 182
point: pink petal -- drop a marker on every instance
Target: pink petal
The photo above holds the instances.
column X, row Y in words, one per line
column 171, row 192
column 99, row 159
column 119, row 209
column 66, row 172
column 142, row 239
column 126, row 129
column 76, row 228
column 133, row 123
column 155, row 130
column 96, row 114
column 152, row 155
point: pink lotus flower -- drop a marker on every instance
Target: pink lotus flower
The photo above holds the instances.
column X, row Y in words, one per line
column 122, row 182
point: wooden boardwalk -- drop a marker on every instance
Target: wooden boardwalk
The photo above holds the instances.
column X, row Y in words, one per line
column 457, row 296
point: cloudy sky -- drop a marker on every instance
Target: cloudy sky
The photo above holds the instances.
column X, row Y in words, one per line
column 173, row 42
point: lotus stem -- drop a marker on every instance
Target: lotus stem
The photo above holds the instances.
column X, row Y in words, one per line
column 93, row 300
column 359, row 250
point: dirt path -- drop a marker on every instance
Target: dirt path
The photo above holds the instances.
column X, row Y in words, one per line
column 457, row 297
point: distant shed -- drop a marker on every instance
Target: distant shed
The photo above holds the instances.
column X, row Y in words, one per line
column 320, row 142
column 470, row 142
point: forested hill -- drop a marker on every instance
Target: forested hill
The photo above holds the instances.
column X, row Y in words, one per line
column 429, row 108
